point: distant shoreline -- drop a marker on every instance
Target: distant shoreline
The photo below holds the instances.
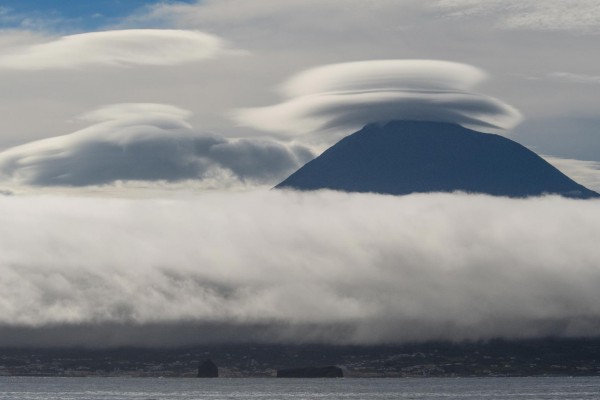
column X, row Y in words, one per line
column 548, row 357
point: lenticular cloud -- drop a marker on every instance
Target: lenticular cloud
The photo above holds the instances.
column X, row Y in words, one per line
column 115, row 48
column 147, row 142
column 351, row 95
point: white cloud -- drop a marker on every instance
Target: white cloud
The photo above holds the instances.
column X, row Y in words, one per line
column 585, row 172
column 553, row 15
column 147, row 142
column 284, row 37
column 575, row 78
column 574, row 15
column 286, row 266
column 351, row 95
column 115, row 48
column 383, row 75
column 332, row 16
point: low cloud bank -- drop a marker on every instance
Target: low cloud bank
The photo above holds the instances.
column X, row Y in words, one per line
column 115, row 48
column 350, row 95
column 281, row 266
column 148, row 142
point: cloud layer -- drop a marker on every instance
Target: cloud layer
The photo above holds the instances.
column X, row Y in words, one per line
column 580, row 16
column 351, row 95
column 147, row 142
column 284, row 266
column 287, row 37
column 115, row 48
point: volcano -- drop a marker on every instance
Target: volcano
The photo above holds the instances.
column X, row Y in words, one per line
column 403, row 157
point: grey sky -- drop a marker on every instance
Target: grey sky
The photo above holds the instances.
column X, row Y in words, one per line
column 541, row 60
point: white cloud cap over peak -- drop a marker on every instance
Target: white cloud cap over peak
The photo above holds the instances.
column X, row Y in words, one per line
column 351, row 95
column 147, row 142
column 115, row 48
column 384, row 75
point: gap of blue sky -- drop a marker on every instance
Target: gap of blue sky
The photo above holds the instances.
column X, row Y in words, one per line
column 67, row 15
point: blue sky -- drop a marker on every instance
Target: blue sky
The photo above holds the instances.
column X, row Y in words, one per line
column 69, row 14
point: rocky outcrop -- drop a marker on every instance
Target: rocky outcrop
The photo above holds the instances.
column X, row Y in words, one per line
column 311, row 372
column 208, row 369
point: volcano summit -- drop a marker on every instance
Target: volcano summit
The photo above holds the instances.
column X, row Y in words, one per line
column 402, row 157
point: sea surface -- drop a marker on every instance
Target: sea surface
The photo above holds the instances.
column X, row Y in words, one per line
column 24, row 388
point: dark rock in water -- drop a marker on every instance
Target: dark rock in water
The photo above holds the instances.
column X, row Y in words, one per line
column 403, row 157
column 208, row 369
column 311, row 372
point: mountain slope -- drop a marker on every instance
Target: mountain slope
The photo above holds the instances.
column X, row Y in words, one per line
column 403, row 157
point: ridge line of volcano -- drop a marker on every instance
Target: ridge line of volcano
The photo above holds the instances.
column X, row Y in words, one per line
column 403, row 157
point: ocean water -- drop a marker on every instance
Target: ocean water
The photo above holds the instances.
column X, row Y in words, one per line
column 25, row 388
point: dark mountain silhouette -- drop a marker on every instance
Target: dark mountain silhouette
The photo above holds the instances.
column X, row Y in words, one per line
column 402, row 157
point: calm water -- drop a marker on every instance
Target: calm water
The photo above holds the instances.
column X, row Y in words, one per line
column 430, row 388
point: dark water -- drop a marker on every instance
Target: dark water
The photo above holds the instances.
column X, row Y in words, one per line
column 183, row 389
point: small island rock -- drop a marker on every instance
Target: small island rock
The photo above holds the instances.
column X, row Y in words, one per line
column 208, row 369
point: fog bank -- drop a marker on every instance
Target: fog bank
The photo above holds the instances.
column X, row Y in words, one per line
column 296, row 267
